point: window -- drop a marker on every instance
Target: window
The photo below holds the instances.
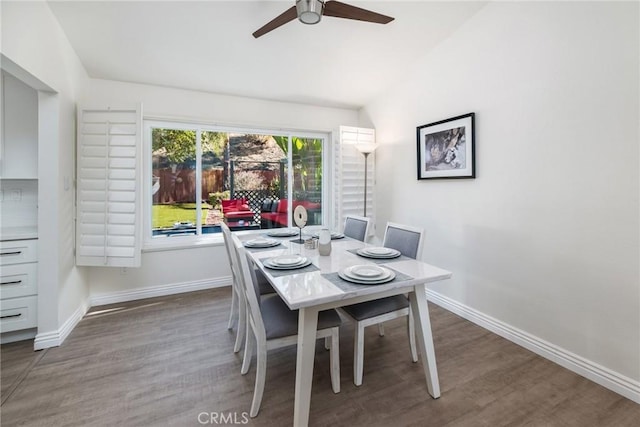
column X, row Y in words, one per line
column 199, row 176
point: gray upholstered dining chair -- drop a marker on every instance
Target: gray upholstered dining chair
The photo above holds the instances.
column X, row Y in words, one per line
column 356, row 227
column 407, row 240
column 274, row 325
column 238, row 308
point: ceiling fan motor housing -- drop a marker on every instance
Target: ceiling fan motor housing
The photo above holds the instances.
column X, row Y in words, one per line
column 309, row 11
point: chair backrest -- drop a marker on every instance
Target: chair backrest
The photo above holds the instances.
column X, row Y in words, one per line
column 228, row 244
column 249, row 283
column 356, row 227
column 406, row 239
column 282, row 206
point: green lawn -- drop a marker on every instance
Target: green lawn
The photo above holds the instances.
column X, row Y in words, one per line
column 165, row 216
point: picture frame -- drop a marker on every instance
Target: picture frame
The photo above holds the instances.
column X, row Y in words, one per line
column 446, row 149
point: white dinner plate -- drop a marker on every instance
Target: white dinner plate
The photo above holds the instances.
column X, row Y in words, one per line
column 284, row 232
column 287, row 260
column 366, row 271
column 261, row 243
column 380, row 253
column 334, row 235
column 387, row 277
column 267, row 263
column 386, row 273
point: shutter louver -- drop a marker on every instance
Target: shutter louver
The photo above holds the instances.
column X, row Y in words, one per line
column 108, row 226
column 349, row 175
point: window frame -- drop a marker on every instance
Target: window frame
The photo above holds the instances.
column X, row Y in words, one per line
column 151, row 244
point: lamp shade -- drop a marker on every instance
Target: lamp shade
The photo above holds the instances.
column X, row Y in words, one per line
column 366, row 147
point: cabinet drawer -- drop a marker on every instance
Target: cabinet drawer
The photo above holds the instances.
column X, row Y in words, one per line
column 18, row 313
column 18, row 280
column 18, row 252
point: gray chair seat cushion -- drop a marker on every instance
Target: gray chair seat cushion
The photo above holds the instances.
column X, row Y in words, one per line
column 280, row 321
column 264, row 287
column 369, row 309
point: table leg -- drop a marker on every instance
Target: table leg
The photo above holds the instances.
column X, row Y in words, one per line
column 420, row 309
column 307, row 327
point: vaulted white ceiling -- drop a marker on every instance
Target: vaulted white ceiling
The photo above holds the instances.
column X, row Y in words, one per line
column 208, row 46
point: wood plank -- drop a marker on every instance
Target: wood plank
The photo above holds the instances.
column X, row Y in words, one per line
column 166, row 360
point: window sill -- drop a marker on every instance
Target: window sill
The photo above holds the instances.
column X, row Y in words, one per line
column 180, row 243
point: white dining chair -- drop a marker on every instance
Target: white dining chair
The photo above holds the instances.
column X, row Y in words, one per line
column 407, row 240
column 274, row 325
column 238, row 309
column 356, row 227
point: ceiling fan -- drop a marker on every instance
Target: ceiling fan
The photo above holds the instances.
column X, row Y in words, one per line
column 311, row 11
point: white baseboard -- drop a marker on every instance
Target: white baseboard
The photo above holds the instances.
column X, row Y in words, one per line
column 57, row 337
column 158, row 291
column 614, row 381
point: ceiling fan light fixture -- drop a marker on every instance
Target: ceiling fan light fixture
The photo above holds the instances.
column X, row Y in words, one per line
column 309, row 11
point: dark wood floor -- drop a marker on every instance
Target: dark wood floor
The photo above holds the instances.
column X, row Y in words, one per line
column 166, row 361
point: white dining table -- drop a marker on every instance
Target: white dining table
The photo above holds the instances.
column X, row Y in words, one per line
column 310, row 292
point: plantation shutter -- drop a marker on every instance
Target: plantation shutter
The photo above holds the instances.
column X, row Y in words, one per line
column 348, row 172
column 109, row 177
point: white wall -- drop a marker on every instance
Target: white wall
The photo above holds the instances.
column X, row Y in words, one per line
column 218, row 109
column 546, row 238
column 33, row 40
column 194, row 267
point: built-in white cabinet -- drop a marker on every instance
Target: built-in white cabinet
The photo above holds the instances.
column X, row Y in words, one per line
column 18, row 209
column 18, row 285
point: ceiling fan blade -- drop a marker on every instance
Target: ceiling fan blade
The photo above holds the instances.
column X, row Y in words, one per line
column 287, row 16
column 342, row 10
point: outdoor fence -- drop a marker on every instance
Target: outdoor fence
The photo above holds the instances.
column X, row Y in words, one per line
column 255, row 198
column 180, row 186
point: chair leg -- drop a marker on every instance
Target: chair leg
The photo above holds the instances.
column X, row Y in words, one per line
column 380, row 329
column 234, row 303
column 334, row 358
column 411, row 329
column 242, row 325
column 358, row 354
column 260, row 379
column 248, row 350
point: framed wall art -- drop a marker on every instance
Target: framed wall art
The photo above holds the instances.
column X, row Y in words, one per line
column 446, row 149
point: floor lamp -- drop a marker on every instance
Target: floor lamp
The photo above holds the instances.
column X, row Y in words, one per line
column 366, row 149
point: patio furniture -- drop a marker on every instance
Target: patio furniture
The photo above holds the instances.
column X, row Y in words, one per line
column 238, row 215
column 235, row 210
column 278, row 215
